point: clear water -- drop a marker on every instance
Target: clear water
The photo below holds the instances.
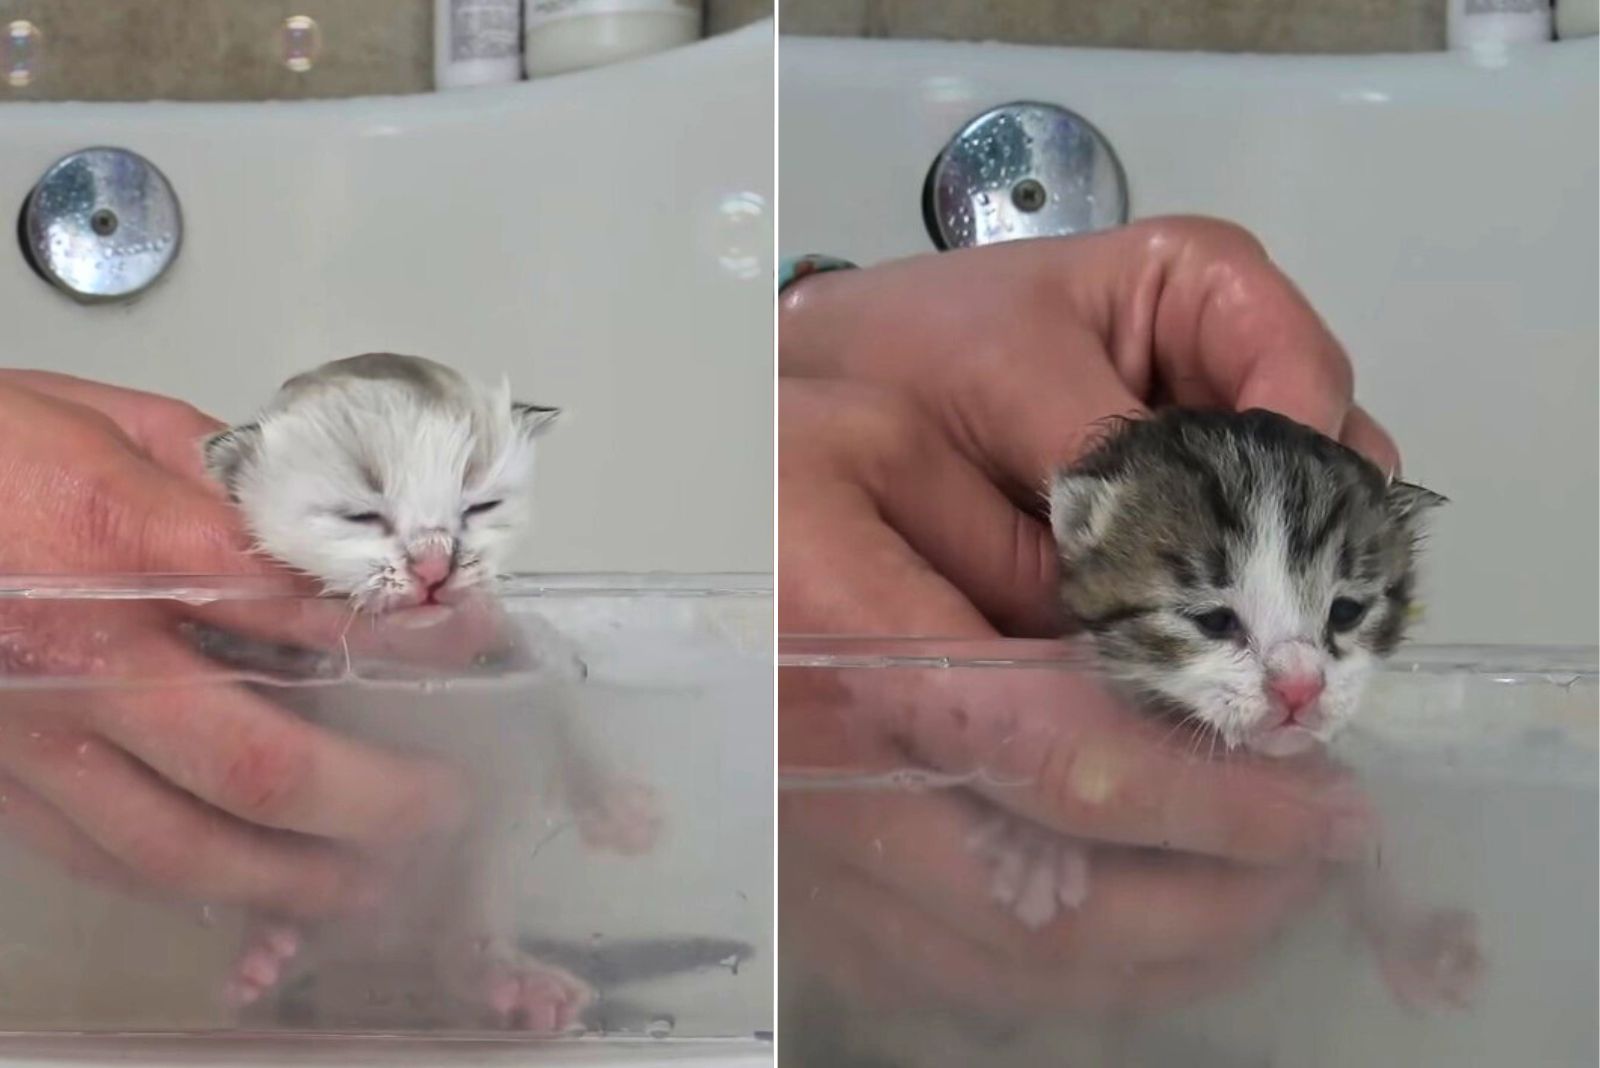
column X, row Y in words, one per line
column 663, row 683
column 1481, row 765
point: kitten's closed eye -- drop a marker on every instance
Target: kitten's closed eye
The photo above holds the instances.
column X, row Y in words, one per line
column 480, row 508
column 1218, row 623
column 372, row 519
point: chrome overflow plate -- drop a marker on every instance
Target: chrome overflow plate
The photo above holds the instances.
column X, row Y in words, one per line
column 102, row 224
column 1023, row 170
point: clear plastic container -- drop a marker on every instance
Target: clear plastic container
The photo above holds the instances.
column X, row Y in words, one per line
column 609, row 739
column 1479, row 763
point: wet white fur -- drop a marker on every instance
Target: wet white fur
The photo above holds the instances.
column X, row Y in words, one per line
column 433, row 455
column 1284, row 619
column 1222, row 684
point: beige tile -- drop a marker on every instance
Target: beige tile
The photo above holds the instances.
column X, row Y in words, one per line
column 1213, row 25
column 233, row 49
column 222, row 49
column 827, row 18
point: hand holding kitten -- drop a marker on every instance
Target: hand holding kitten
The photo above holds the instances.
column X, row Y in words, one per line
column 923, row 404
column 204, row 792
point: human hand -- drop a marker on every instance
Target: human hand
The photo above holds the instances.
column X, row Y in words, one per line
column 159, row 773
column 922, row 407
column 883, row 882
column 1015, row 352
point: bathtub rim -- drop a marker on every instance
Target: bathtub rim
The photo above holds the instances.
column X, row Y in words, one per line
column 310, row 1048
column 1560, row 665
column 1489, row 57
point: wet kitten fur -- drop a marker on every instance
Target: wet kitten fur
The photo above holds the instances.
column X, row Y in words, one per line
column 362, row 464
column 1305, row 545
column 348, row 474
column 1188, row 520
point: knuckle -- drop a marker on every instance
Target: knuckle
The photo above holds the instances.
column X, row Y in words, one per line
column 175, row 418
column 101, row 519
column 266, row 780
column 181, row 414
column 1037, row 557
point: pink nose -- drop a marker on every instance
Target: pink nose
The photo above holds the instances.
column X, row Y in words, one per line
column 431, row 567
column 1295, row 692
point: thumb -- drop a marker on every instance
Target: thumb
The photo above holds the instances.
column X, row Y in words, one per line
column 1036, row 408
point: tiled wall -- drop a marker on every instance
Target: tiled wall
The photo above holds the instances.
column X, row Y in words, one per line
column 1211, row 25
column 236, row 49
column 722, row 15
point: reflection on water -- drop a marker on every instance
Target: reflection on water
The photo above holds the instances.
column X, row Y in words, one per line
column 1457, row 863
column 614, row 828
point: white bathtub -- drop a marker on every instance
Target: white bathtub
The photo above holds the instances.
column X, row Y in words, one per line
column 604, row 238
column 1440, row 213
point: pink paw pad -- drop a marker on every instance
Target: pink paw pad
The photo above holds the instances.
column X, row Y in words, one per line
column 260, row 963
column 1033, row 873
column 536, row 998
column 625, row 819
column 1434, row 962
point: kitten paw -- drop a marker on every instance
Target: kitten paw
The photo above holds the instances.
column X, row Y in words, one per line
column 268, row 948
column 1433, row 961
column 522, row 994
column 1034, row 873
column 625, row 818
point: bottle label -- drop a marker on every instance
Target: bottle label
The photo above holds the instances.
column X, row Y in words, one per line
column 1506, row 7
column 485, row 29
column 541, row 12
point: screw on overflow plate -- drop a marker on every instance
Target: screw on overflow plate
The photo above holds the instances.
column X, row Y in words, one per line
column 1028, row 195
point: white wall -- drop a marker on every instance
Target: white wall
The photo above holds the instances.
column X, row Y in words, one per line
column 604, row 238
column 1440, row 215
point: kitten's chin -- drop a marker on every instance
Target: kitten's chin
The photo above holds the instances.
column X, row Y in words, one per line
column 1282, row 741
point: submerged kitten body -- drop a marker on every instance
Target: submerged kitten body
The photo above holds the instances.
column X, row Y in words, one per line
column 389, row 479
column 398, row 483
column 1244, row 575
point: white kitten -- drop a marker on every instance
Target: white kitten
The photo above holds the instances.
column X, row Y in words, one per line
column 391, row 479
column 398, row 483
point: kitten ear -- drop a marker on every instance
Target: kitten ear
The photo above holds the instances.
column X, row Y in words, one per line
column 1080, row 510
column 1407, row 502
column 227, row 451
column 532, row 419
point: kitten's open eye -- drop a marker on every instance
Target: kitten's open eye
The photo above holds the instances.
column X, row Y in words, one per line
column 1345, row 613
column 479, row 509
column 372, row 519
column 1218, row 623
